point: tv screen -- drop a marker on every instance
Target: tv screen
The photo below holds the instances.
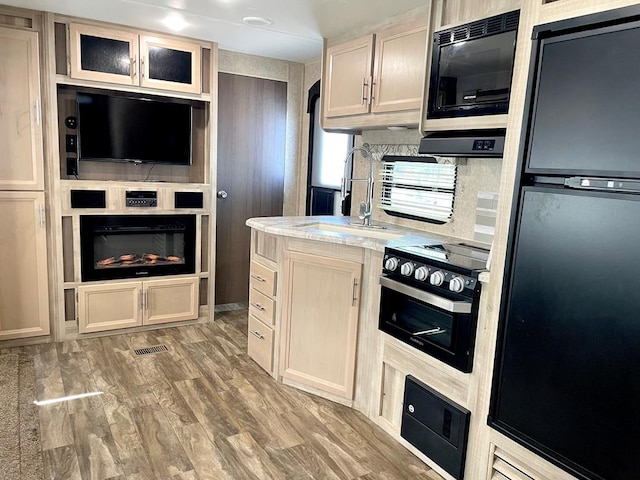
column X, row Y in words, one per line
column 141, row 130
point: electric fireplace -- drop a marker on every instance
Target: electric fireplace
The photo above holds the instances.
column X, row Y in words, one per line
column 134, row 246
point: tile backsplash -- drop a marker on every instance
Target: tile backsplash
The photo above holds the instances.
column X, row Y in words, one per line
column 475, row 178
column 486, row 211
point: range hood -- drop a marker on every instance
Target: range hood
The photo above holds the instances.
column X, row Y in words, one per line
column 464, row 143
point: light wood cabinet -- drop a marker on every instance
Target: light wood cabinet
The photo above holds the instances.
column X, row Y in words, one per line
column 24, row 298
column 399, row 68
column 118, row 56
column 260, row 343
column 262, row 307
column 379, row 73
column 21, row 153
column 109, row 307
column 130, row 304
column 262, row 279
column 347, row 82
column 320, row 322
column 262, row 314
column 170, row 300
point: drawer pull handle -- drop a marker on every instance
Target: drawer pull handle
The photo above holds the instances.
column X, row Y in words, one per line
column 257, row 277
column 257, row 335
column 258, row 306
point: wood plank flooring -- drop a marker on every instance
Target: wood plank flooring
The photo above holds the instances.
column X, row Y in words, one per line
column 202, row 410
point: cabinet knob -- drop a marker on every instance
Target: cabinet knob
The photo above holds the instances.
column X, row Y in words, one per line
column 222, row 194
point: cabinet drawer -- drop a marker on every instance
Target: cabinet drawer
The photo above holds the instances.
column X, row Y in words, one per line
column 262, row 307
column 260, row 343
column 262, row 279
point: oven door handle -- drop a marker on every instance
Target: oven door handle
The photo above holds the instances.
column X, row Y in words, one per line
column 430, row 298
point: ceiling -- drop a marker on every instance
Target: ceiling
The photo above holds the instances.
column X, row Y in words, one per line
column 295, row 33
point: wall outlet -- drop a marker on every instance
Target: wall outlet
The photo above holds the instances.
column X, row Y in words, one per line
column 72, row 166
column 72, row 143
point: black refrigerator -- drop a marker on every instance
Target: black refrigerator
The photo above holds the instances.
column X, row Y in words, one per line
column 567, row 374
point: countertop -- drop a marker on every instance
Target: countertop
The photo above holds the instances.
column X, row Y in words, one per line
column 304, row 227
column 316, row 228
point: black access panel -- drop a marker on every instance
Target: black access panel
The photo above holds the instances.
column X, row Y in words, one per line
column 436, row 426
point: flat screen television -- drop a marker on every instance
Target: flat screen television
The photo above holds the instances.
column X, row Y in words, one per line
column 116, row 128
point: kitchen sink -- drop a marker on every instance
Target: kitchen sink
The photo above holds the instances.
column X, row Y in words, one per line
column 368, row 231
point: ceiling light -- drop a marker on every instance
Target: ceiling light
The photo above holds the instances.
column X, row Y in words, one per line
column 175, row 22
column 256, row 21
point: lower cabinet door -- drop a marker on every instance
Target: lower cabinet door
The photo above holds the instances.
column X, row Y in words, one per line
column 320, row 322
column 24, row 297
column 109, row 306
column 260, row 343
column 170, row 300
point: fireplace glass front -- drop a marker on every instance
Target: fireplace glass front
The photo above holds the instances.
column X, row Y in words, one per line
column 133, row 246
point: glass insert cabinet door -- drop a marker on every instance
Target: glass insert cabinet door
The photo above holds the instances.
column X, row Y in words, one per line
column 103, row 54
column 171, row 64
column 118, row 56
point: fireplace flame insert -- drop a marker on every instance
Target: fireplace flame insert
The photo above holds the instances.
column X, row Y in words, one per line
column 133, row 246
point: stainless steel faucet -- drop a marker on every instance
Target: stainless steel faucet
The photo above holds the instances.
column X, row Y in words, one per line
column 366, row 208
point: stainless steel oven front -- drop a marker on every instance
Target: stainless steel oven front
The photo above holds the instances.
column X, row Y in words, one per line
column 430, row 308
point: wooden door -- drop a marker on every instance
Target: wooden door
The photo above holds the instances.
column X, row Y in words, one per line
column 251, row 145
column 24, row 297
column 103, row 54
column 109, row 306
column 399, row 69
column 21, row 164
column 170, row 300
column 320, row 322
column 347, row 77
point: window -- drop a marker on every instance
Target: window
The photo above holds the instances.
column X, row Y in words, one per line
column 327, row 152
column 422, row 190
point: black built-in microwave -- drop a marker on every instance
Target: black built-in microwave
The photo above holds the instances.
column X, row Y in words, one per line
column 472, row 66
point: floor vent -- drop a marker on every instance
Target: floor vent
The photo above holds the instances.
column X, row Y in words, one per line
column 150, row 350
column 507, row 468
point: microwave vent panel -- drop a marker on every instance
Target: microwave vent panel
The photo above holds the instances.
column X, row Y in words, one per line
column 460, row 34
column 489, row 26
column 494, row 25
column 511, row 20
column 476, row 30
column 445, row 37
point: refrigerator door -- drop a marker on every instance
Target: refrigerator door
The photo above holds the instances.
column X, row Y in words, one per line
column 585, row 117
column 567, row 382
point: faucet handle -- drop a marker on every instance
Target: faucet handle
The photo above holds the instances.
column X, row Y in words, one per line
column 363, row 211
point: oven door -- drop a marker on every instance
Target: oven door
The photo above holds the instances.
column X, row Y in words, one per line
column 439, row 326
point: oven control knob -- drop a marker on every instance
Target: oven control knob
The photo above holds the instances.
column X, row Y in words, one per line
column 456, row 284
column 437, row 278
column 391, row 264
column 422, row 273
column 407, row 269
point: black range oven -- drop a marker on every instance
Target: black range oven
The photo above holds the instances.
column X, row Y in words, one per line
column 429, row 299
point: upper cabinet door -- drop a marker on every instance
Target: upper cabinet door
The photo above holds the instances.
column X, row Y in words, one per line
column 169, row 64
column 21, row 153
column 103, row 54
column 398, row 79
column 347, row 77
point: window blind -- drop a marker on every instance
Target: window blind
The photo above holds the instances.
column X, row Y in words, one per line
column 422, row 189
